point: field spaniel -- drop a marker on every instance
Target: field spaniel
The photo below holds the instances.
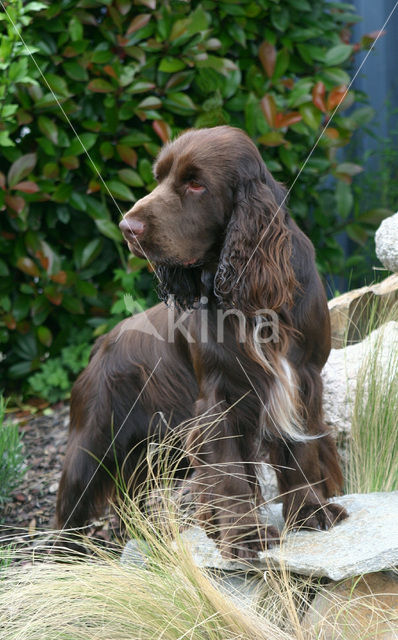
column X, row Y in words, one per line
column 241, row 359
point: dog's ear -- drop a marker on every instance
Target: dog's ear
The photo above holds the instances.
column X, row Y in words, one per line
column 179, row 285
column 255, row 270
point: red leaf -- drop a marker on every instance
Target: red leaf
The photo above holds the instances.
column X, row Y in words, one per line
column 285, row 120
column 272, row 139
column 336, row 96
column 128, row 155
column 21, row 168
column 267, row 55
column 27, row 187
column 69, row 52
column 93, row 186
column 375, row 34
column 60, row 277
column 269, row 109
column 318, row 96
column 27, row 265
column 70, row 162
column 138, row 22
column 100, row 86
column 16, row 203
column 53, row 295
column 2, row 181
column 332, row 133
column 9, row 321
column 287, row 82
column 110, row 71
column 162, row 129
column 43, row 259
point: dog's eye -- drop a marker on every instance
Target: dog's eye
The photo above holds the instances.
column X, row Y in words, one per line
column 195, row 186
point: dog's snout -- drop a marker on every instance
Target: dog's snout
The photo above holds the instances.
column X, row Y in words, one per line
column 131, row 228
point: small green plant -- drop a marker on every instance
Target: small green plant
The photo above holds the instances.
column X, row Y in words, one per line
column 53, row 381
column 11, row 456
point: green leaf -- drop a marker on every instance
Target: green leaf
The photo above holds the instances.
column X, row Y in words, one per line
column 349, row 168
column 131, row 177
column 35, row 6
column 311, row 115
column 282, row 63
column 151, row 102
column 45, row 336
column 4, row 270
column 90, row 252
column 85, row 142
column 101, row 54
column 374, row 216
column 57, row 84
column 334, row 77
column 145, row 169
column 338, row 54
column 363, row 115
column 179, row 103
column 72, row 304
column 120, row 191
column 75, row 29
column 357, row 233
column 21, row 168
column 5, row 140
column 109, row 229
column 75, row 71
column 99, row 85
column 344, row 199
column 21, row 307
column 170, row 65
column 280, row 17
column 77, row 201
column 48, row 128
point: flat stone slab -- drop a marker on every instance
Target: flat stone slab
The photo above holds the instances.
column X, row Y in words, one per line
column 366, row 542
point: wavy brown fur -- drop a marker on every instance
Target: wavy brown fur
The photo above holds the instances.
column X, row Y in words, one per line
column 223, row 243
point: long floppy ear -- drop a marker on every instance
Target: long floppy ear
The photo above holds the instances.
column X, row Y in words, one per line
column 255, row 270
column 180, row 285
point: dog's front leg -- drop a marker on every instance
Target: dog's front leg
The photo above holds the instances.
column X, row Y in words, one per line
column 223, row 493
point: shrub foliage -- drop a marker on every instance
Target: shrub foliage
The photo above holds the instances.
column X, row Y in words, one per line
column 90, row 89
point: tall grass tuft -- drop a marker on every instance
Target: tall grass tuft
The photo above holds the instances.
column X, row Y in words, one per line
column 161, row 596
column 373, row 451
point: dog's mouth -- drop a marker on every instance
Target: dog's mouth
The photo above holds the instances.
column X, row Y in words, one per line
column 158, row 260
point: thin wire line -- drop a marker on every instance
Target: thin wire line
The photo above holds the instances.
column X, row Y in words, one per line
column 111, row 444
column 76, row 134
column 310, row 484
column 316, row 143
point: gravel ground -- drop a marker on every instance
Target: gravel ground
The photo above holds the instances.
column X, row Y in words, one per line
column 31, row 507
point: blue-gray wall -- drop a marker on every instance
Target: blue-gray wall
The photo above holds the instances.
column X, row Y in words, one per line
column 378, row 77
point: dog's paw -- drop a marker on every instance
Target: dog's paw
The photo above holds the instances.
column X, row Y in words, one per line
column 317, row 516
column 244, row 543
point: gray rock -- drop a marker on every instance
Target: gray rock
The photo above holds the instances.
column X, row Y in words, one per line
column 366, row 542
column 340, row 374
column 351, row 313
column 386, row 239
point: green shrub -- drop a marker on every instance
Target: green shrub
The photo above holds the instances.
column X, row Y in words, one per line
column 11, row 456
column 125, row 75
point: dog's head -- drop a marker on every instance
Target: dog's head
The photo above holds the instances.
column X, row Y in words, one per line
column 216, row 208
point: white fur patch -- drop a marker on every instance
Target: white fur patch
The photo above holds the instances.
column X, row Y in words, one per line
column 281, row 411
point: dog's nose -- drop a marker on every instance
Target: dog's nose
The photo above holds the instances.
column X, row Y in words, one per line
column 131, row 228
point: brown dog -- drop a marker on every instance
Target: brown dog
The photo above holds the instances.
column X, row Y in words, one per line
column 250, row 350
